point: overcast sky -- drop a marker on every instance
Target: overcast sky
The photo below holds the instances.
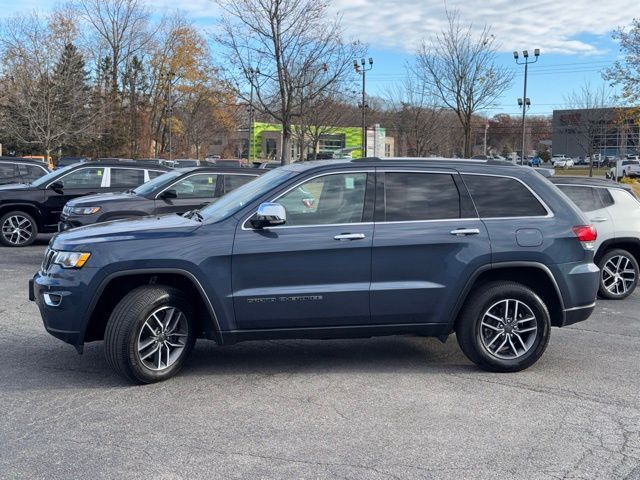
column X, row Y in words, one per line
column 574, row 36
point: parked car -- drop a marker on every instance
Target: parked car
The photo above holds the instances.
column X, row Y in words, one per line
column 26, row 210
column 66, row 161
column 615, row 210
column 186, row 162
column 534, row 161
column 177, row 191
column 624, row 168
column 20, row 170
column 492, row 252
column 560, row 161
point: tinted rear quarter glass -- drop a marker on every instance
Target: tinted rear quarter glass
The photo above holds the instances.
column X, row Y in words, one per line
column 586, row 198
column 126, row 177
column 502, row 197
column 413, row 196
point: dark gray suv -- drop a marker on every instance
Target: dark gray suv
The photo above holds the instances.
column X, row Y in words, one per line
column 332, row 249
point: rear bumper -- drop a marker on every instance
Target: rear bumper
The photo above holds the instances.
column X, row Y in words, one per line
column 577, row 314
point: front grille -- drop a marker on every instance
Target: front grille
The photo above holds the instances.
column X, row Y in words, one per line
column 48, row 259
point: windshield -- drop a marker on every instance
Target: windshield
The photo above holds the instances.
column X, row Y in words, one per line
column 232, row 202
column 51, row 176
column 157, row 183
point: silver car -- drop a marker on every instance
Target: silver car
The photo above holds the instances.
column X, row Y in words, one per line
column 615, row 211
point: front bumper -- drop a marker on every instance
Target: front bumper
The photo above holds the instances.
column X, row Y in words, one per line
column 61, row 298
column 67, row 222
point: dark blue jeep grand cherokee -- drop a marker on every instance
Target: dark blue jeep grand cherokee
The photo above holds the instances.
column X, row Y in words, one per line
column 494, row 253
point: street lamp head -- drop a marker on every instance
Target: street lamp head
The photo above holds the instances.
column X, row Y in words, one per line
column 362, row 61
column 515, row 55
column 525, row 53
column 519, row 102
column 370, row 60
column 356, row 67
column 528, row 102
column 536, row 52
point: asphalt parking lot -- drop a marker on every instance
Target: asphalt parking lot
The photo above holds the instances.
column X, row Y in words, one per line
column 386, row 408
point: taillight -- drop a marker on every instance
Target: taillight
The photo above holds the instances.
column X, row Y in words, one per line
column 587, row 234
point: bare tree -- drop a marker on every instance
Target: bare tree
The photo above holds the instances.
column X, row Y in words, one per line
column 463, row 71
column 289, row 42
column 416, row 116
column 588, row 121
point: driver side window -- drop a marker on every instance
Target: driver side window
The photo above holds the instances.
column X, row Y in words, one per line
column 83, row 178
column 326, row 200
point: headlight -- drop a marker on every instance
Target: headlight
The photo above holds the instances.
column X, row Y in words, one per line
column 84, row 210
column 71, row 259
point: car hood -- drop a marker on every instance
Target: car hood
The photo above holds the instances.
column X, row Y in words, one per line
column 14, row 186
column 170, row 225
column 101, row 198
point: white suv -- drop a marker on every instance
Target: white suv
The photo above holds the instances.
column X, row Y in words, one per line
column 615, row 211
column 561, row 161
column 627, row 167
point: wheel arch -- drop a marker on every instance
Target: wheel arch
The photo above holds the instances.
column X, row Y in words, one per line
column 116, row 285
column 631, row 244
column 536, row 276
column 29, row 208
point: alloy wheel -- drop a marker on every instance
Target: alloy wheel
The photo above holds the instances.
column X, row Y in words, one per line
column 508, row 329
column 17, row 229
column 618, row 275
column 163, row 338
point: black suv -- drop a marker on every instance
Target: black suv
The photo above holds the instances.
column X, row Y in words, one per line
column 177, row 191
column 29, row 209
column 20, row 170
column 331, row 249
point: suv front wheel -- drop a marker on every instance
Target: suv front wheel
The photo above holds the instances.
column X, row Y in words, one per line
column 503, row 327
column 19, row 229
column 150, row 333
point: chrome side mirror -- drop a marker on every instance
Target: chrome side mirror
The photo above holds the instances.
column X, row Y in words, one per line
column 269, row 215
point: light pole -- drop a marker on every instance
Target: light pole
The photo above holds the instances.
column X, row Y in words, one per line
column 169, row 75
column 486, row 127
column 362, row 69
column 253, row 74
column 524, row 102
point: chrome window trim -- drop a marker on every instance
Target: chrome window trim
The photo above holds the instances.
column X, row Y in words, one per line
column 323, row 174
column 549, row 214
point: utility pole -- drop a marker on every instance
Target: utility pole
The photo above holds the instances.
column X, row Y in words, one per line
column 362, row 69
column 525, row 102
column 486, row 127
column 169, row 75
column 253, row 74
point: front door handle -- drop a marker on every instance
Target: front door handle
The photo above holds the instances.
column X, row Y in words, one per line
column 599, row 219
column 350, row 236
column 461, row 232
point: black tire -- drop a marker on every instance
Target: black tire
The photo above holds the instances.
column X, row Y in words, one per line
column 128, row 319
column 604, row 276
column 469, row 330
column 5, row 224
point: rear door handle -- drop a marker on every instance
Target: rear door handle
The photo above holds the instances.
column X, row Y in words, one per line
column 465, row 231
column 350, row 236
column 599, row 219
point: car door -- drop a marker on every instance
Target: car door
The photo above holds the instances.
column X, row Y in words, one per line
column 428, row 241
column 79, row 182
column 315, row 270
column 193, row 191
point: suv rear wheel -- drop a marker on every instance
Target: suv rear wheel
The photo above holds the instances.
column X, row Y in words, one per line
column 150, row 333
column 618, row 274
column 503, row 327
column 19, row 229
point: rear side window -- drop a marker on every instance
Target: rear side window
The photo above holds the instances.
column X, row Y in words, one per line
column 231, row 182
column 410, row 196
column 605, row 197
column 30, row 172
column 586, row 198
column 8, row 173
column 502, row 197
column 126, row 177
